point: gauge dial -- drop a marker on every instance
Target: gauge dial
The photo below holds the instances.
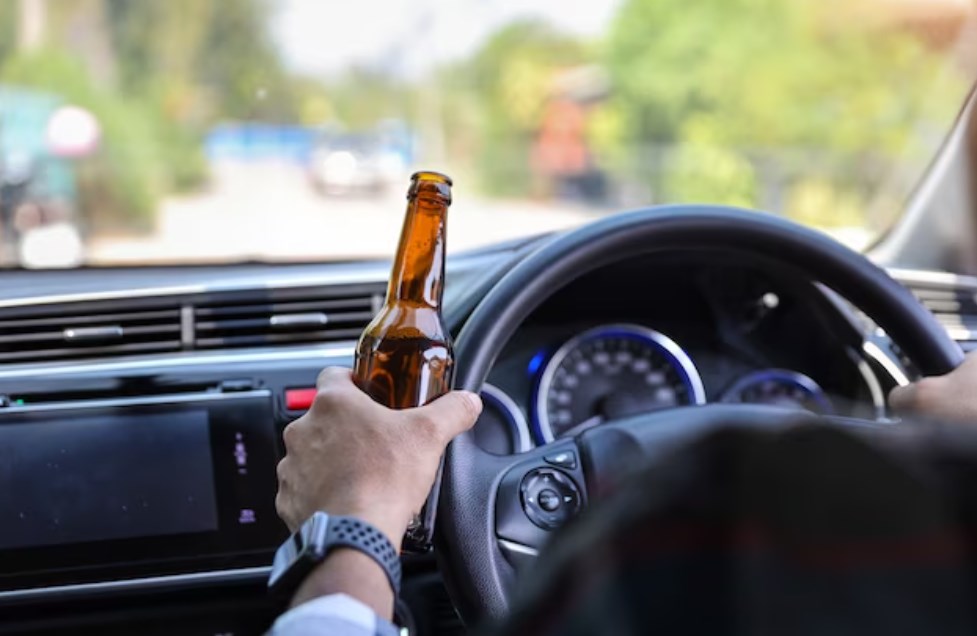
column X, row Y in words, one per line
column 612, row 372
column 778, row 387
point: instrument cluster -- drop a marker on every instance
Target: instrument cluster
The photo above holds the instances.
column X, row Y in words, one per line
column 614, row 371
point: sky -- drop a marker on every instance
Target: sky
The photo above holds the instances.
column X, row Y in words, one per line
column 323, row 37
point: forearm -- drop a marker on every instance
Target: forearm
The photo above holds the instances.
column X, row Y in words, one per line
column 349, row 572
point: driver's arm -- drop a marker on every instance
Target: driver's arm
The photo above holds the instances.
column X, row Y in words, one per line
column 948, row 397
column 351, row 456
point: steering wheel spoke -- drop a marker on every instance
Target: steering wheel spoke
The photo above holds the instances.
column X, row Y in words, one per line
column 536, row 496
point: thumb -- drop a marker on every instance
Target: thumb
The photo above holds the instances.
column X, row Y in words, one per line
column 452, row 413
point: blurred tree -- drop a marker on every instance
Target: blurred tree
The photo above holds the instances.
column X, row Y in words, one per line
column 203, row 58
column 363, row 96
column 508, row 80
column 8, row 28
column 731, row 78
column 241, row 64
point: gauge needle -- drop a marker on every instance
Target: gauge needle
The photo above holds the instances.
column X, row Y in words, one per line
column 583, row 426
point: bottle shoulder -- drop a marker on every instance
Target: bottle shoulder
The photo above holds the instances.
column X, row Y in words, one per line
column 408, row 320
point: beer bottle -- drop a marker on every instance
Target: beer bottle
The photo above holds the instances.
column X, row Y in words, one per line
column 404, row 357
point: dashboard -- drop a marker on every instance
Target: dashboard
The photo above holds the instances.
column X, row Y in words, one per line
column 668, row 332
column 141, row 410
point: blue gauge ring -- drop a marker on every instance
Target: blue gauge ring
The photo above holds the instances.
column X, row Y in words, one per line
column 679, row 359
column 496, row 398
column 782, row 376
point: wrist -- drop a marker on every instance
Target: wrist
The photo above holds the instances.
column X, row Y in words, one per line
column 333, row 553
column 346, row 571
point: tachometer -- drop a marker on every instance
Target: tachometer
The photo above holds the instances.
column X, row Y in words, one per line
column 778, row 387
column 612, row 372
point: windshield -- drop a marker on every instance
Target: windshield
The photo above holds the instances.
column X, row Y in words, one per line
column 221, row 131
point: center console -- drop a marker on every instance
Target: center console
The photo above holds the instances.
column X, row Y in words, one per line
column 107, row 489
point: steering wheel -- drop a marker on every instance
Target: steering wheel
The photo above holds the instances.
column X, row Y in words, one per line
column 493, row 515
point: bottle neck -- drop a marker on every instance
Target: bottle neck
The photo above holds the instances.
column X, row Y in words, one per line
column 418, row 271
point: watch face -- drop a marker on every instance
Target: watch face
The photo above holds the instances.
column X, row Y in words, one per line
column 305, row 549
column 299, row 554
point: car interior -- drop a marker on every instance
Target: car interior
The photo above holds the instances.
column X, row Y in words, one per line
column 142, row 406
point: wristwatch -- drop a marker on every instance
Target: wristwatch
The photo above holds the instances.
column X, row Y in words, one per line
column 317, row 537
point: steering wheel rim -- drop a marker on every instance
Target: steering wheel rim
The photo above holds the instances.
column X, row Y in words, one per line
column 475, row 571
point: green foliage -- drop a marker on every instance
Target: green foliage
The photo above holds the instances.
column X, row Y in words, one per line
column 205, row 58
column 731, row 178
column 728, row 78
column 8, row 26
column 362, row 97
column 508, row 80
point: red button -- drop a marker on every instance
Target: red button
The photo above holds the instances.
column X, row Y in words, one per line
column 299, row 399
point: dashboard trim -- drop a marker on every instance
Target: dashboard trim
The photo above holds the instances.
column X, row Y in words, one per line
column 60, row 592
column 945, row 279
column 875, row 352
column 518, row 548
column 363, row 277
column 179, row 398
column 874, row 386
column 191, row 358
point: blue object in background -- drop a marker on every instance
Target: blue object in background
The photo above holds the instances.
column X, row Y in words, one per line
column 260, row 142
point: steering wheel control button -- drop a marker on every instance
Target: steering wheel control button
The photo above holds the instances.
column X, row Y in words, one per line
column 549, row 497
column 549, row 500
column 563, row 459
column 299, row 399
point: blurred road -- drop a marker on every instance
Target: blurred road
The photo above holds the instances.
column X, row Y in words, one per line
column 270, row 212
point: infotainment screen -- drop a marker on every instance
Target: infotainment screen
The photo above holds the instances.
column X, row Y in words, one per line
column 72, row 480
column 110, row 489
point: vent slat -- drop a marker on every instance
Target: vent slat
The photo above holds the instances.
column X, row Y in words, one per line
column 27, row 340
column 265, row 323
column 93, row 319
column 46, row 355
column 257, row 340
column 270, row 318
column 954, row 307
column 325, row 305
column 41, row 336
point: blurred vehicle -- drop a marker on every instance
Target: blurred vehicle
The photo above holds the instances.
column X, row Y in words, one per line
column 353, row 163
column 16, row 175
column 39, row 137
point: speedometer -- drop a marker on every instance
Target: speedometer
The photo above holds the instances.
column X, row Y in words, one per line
column 612, row 372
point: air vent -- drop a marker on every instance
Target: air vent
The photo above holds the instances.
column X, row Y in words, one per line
column 954, row 305
column 58, row 332
column 277, row 317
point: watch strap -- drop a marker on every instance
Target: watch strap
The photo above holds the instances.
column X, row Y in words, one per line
column 317, row 537
column 357, row 534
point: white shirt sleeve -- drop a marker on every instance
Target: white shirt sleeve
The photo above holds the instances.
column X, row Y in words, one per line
column 333, row 615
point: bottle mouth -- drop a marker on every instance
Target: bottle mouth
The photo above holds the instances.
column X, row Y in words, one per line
column 430, row 185
column 430, row 175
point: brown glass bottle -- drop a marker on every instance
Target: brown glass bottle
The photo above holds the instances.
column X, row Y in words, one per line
column 404, row 358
